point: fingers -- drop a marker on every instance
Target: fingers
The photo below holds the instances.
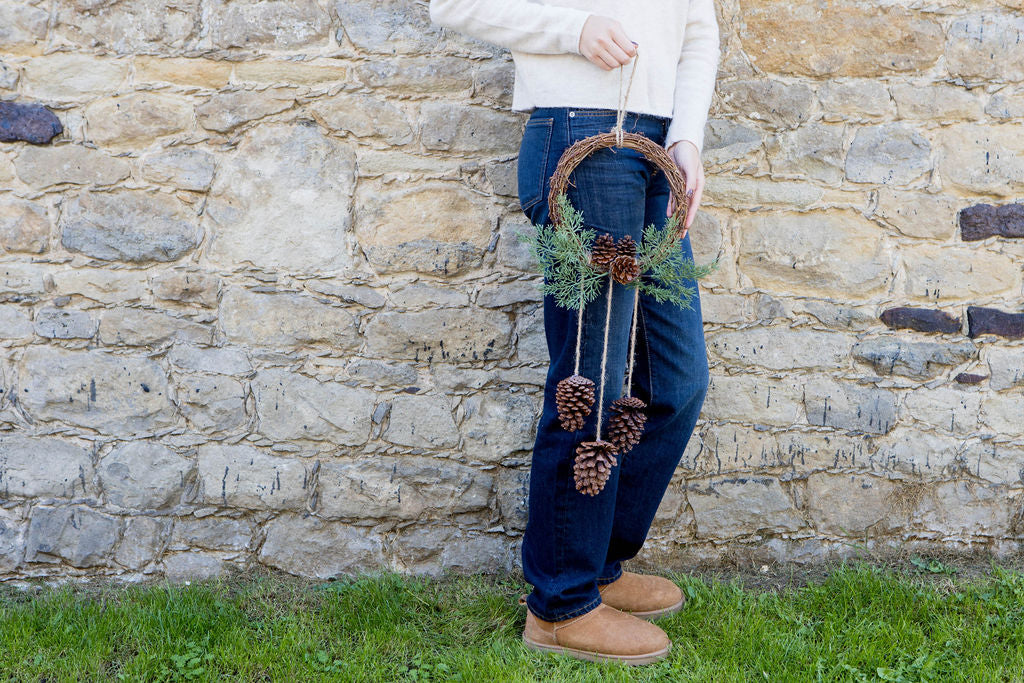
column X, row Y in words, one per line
column 698, row 193
column 604, row 43
column 671, row 205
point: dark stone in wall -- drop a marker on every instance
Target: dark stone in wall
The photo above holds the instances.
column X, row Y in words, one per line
column 29, row 122
column 921, row 319
column 993, row 321
column 985, row 220
column 968, row 378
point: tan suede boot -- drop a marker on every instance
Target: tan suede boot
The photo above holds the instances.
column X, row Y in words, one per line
column 643, row 595
column 602, row 634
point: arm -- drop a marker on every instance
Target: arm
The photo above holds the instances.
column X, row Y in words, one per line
column 514, row 24
column 695, row 75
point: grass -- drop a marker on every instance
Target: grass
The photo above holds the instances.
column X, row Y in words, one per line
column 857, row 622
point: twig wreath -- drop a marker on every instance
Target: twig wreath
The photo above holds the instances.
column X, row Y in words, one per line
column 575, row 261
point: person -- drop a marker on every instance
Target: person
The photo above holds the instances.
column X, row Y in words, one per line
column 570, row 57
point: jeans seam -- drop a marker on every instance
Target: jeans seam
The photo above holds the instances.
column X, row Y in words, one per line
column 605, row 579
column 579, row 611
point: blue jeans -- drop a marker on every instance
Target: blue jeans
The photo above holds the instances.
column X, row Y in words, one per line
column 575, row 542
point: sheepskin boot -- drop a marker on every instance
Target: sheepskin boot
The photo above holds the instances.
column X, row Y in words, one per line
column 602, row 634
column 643, row 595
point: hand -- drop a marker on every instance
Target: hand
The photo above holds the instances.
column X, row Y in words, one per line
column 687, row 158
column 604, row 42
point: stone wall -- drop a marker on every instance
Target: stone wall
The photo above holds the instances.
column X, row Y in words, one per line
column 261, row 299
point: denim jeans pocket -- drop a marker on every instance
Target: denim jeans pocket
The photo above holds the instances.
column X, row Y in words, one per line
column 533, row 161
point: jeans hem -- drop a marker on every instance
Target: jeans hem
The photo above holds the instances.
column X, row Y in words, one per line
column 593, row 604
column 601, row 580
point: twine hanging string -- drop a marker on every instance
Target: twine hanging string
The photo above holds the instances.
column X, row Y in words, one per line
column 604, row 355
column 621, row 113
column 632, row 342
column 579, row 330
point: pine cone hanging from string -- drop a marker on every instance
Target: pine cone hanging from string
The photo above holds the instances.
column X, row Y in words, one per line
column 627, row 425
column 574, row 397
column 593, row 465
column 626, row 246
column 625, row 269
column 603, row 251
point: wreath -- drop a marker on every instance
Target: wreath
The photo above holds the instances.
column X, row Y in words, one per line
column 575, row 261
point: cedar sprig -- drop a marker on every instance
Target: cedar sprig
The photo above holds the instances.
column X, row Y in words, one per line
column 664, row 270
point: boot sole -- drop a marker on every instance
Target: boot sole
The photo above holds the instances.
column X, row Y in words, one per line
column 632, row 660
column 655, row 614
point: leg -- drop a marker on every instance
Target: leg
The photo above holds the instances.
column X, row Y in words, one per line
column 567, row 532
column 671, row 376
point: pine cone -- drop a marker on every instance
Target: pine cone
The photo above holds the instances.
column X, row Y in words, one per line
column 603, row 251
column 626, row 246
column 574, row 397
column 593, row 465
column 625, row 269
column 627, row 425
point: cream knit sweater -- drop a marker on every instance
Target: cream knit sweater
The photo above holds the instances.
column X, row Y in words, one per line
column 676, row 66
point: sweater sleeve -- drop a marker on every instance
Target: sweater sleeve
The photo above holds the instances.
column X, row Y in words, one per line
column 514, row 24
column 695, row 75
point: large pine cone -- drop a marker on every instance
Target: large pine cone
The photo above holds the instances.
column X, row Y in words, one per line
column 593, row 465
column 626, row 246
column 603, row 251
column 574, row 397
column 625, row 269
column 627, row 425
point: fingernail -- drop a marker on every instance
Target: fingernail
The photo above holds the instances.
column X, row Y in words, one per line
column 689, row 194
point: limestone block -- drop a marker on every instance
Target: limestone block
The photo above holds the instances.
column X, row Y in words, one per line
column 382, row 373
column 64, row 323
column 854, row 99
column 129, row 225
column 839, row 253
column 434, row 75
column 738, row 506
column 259, row 205
column 814, row 150
column 996, row 463
column 838, row 40
column 531, row 340
column 849, row 504
column 143, row 475
column 22, row 26
column 921, row 454
column 401, row 487
column 457, row 128
column 76, row 534
column 225, row 111
column 754, row 193
column 193, row 566
column 111, row 393
column 846, row 406
column 433, row 550
column 1002, row 412
column 922, row 360
column 916, row 214
column 726, row 140
column 751, row 398
column 100, row 285
column 186, row 168
column 186, row 286
column 963, row 508
column 240, row 476
column 129, row 27
column 220, row 361
column 310, row 547
column 186, row 71
column 386, row 27
column 424, row 295
column 958, row 273
column 774, row 102
column 315, row 71
column 468, row 334
column 365, row 116
column 271, row 24
column 141, row 327
column 349, row 293
column 212, row 404
column 493, row 82
column 1006, row 367
column 285, row 320
column 510, row 293
column 141, row 542
column 935, row 102
column 986, row 46
column 213, row 532
column 945, row 408
column 890, row 154
column 43, row 167
column 499, row 423
column 293, row 406
column 15, row 322
column 24, row 279
column 24, row 226
column 781, row 348
column 980, row 158
column 512, row 251
column 137, row 119
column 512, row 488
column 43, row 467
column 12, row 543
column 1007, row 103
column 422, row 421
column 72, row 76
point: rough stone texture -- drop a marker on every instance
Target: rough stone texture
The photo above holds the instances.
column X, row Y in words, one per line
column 129, row 225
column 262, row 298
column 984, row 220
column 29, row 122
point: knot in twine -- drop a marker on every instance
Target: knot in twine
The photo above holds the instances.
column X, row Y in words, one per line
column 621, row 114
